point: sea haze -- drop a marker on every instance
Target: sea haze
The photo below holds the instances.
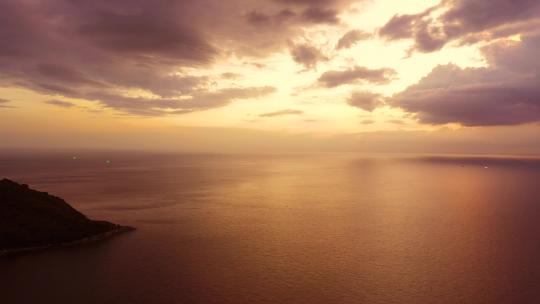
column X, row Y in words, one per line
column 286, row 229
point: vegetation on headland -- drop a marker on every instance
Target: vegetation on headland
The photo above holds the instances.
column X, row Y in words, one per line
column 31, row 220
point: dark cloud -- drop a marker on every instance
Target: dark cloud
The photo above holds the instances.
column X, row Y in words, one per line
column 60, row 103
column 89, row 48
column 399, row 27
column 287, row 19
column 282, row 113
column 505, row 93
column 282, row 17
column 76, row 48
column 136, row 34
column 315, row 3
column 268, row 25
column 475, row 106
column 365, row 100
column 357, row 74
column 351, row 38
column 307, row 55
column 318, row 15
column 259, row 19
column 467, row 21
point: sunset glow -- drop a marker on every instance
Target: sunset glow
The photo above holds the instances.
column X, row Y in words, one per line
column 306, row 70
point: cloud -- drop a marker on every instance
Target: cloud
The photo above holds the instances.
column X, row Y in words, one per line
column 62, row 48
column 357, row 74
column 135, row 34
column 315, row 3
column 505, row 93
column 467, row 21
column 399, row 27
column 284, row 20
column 318, row 15
column 367, row 122
column 229, row 75
column 351, row 38
column 60, row 103
column 396, row 121
column 259, row 19
column 3, row 103
column 282, row 113
column 308, row 2
column 308, row 11
column 199, row 101
column 287, row 19
column 365, row 100
column 307, row 55
column 84, row 48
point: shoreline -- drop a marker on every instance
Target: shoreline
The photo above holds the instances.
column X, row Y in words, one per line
column 87, row 240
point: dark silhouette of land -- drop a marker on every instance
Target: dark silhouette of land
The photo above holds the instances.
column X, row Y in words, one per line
column 31, row 219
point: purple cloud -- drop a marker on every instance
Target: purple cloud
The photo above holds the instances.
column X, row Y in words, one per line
column 307, row 55
column 60, row 103
column 365, row 100
column 331, row 79
column 399, row 27
column 318, row 15
column 506, row 93
column 89, row 48
column 351, row 38
column 467, row 21
column 96, row 49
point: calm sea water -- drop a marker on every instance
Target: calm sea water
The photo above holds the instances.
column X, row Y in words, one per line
column 286, row 229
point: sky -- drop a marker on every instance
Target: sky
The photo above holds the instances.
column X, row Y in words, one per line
column 415, row 76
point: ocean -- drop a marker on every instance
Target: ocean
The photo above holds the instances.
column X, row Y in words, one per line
column 332, row 228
